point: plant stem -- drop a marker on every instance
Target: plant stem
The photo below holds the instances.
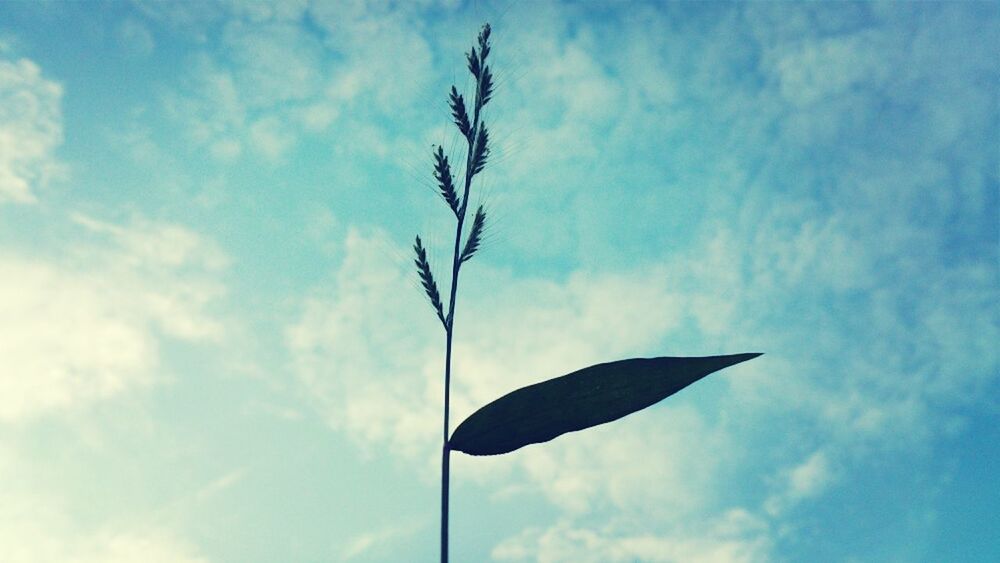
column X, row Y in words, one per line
column 449, row 333
column 472, row 164
column 456, row 265
column 445, row 450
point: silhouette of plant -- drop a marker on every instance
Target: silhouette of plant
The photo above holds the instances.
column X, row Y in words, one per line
column 537, row 413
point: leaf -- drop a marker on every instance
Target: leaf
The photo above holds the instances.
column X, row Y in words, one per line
column 427, row 279
column 473, row 59
column 484, row 42
column 458, row 113
column 475, row 235
column 446, row 184
column 587, row 397
column 485, row 93
column 481, row 150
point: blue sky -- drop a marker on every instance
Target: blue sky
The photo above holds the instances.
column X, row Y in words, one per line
column 215, row 348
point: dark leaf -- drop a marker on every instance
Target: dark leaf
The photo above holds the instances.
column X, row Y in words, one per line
column 588, row 397
column 442, row 173
column 484, row 42
column 481, row 151
column 485, row 87
column 475, row 235
column 473, row 58
column 427, row 279
column 459, row 114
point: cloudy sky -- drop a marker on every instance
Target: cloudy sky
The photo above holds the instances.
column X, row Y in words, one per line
column 213, row 347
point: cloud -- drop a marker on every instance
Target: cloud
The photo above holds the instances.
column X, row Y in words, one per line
column 274, row 62
column 220, row 124
column 40, row 527
column 33, row 545
column 823, row 244
column 270, row 138
column 366, row 353
column 31, row 536
column 30, row 130
column 155, row 547
column 841, row 217
column 275, row 10
column 830, row 67
column 136, row 38
column 736, row 537
column 259, row 88
column 368, row 311
column 331, row 344
column 267, row 82
column 515, row 333
column 87, row 324
column 809, row 479
column 341, row 76
column 376, row 541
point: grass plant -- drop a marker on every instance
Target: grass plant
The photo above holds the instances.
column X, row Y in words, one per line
column 541, row 412
column 477, row 140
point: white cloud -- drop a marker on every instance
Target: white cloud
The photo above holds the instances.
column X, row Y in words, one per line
column 829, row 67
column 267, row 81
column 376, row 541
column 661, row 466
column 270, row 10
column 270, row 138
column 226, row 149
column 154, row 547
column 394, row 395
column 67, row 341
column 30, row 130
column 87, row 325
column 31, row 534
column 369, row 356
column 386, row 398
column 273, row 63
column 735, row 537
column 806, row 480
column 261, row 87
column 37, row 526
column 388, row 59
column 213, row 111
column 33, row 544
column 317, row 117
column 136, row 38
column 827, row 248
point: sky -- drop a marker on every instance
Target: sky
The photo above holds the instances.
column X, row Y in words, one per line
column 215, row 347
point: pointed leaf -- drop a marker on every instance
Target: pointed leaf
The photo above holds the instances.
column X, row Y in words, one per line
column 427, row 279
column 473, row 59
column 484, row 42
column 475, row 235
column 587, row 397
column 485, row 93
column 446, row 183
column 481, row 150
column 458, row 113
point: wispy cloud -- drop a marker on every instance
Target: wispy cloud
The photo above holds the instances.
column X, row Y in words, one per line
column 815, row 182
column 735, row 537
column 38, row 526
column 30, row 130
column 87, row 324
column 822, row 240
column 377, row 542
column 136, row 38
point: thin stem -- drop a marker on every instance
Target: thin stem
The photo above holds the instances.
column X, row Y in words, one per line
column 449, row 333
column 456, row 265
column 445, row 450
